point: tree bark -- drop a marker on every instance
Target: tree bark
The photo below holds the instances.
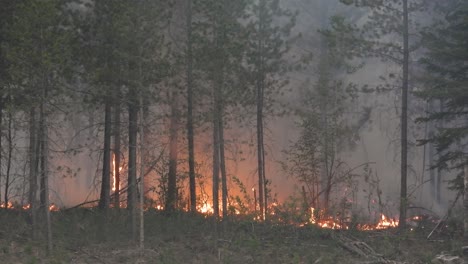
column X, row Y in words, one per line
column 44, row 162
column 142, row 177
column 216, row 165
column 10, row 150
column 104, row 200
column 1, row 156
column 404, row 119
column 465, row 205
column 222, row 163
column 33, row 146
column 132, row 158
column 190, row 132
column 259, row 102
column 117, row 150
column 171, row 199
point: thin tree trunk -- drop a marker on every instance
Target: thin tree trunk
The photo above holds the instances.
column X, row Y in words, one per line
column 260, row 87
column 117, row 150
column 404, row 119
column 216, row 165
column 142, row 177
column 190, row 132
column 10, row 150
column 465, row 205
column 104, row 200
column 438, row 186
column 132, row 157
column 171, row 199
column 33, row 171
column 45, row 170
column 1, row 130
column 222, row 163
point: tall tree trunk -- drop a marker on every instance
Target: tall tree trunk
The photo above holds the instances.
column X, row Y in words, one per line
column 438, row 185
column 216, row 162
column 324, row 92
column 465, row 205
column 260, row 156
column 44, row 152
column 404, row 119
column 222, row 162
column 1, row 156
column 104, row 200
column 117, row 150
column 171, row 198
column 259, row 102
column 190, row 132
column 142, row 175
column 33, row 146
column 132, row 158
column 10, row 150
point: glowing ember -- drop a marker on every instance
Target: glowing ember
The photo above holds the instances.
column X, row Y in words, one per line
column 53, row 208
column 9, row 205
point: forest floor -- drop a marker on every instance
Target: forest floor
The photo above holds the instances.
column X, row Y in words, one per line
column 80, row 237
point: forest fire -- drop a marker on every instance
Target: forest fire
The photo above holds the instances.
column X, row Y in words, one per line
column 317, row 218
column 205, row 208
column 330, row 222
column 384, row 223
column 52, row 207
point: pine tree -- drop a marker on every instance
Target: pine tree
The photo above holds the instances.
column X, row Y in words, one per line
column 444, row 61
column 38, row 58
column 386, row 21
column 266, row 52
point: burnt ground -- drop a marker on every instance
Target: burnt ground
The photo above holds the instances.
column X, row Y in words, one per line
column 80, row 236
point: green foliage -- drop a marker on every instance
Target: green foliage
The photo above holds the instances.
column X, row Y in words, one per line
column 445, row 62
column 37, row 49
column 324, row 120
column 122, row 45
column 269, row 31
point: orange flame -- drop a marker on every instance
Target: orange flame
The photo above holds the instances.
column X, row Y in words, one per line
column 9, row 205
column 114, row 187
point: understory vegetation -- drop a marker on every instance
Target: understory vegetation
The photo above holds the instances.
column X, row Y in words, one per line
column 80, row 237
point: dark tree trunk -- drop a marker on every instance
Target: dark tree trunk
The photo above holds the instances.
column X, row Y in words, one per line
column 222, row 162
column 132, row 159
column 104, row 200
column 1, row 132
column 33, row 146
column 10, row 150
column 171, row 199
column 404, row 119
column 44, row 162
column 260, row 86
column 190, row 132
column 215, row 164
column 465, row 222
column 116, row 166
column 260, row 156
